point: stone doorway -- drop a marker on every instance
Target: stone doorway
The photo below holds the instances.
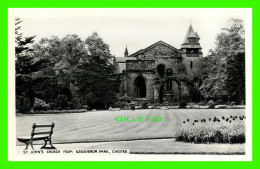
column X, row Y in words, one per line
column 140, row 87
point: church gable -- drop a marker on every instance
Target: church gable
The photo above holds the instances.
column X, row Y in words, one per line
column 159, row 49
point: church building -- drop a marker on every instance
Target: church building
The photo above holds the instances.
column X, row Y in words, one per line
column 162, row 73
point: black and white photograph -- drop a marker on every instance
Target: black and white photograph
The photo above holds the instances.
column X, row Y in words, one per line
column 130, row 84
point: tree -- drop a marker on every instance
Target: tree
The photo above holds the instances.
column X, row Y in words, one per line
column 64, row 55
column 225, row 67
column 80, row 72
column 94, row 78
column 236, row 78
column 25, row 66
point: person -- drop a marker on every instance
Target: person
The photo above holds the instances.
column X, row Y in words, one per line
column 110, row 108
column 132, row 106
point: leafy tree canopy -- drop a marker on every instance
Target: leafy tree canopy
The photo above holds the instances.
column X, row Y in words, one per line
column 95, row 77
column 224, row 67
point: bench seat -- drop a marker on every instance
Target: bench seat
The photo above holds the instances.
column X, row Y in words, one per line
column 36, row 136
column 25, row 140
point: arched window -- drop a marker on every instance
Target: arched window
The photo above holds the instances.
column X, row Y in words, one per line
column 140, row 87
column 161, row 70
column 169, row 85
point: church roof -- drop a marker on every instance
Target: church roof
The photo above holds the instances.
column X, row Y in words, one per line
column 190, row 34
column 120, row 63
column 152, row 46
column 123, row 59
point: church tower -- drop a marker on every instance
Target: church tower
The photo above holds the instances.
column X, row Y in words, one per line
column 192, row 53
column 126, row 52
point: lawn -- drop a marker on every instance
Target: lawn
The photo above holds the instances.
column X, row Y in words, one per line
column 102, row 126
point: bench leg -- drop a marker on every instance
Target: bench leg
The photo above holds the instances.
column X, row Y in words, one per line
column 52, row 147
column 50, row 143
column 44, row 144
column 32, row 144
column 27, row 144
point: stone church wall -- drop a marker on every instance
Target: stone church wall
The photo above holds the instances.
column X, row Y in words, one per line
column 139, row 65
column 148, row 77
column 195, row 71
column 146, row 65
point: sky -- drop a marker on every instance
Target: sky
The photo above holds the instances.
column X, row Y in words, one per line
column 134, row 28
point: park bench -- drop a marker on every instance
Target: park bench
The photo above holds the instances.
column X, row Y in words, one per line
column 40, row 135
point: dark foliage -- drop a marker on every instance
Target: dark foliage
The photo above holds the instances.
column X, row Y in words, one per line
column 224, row 68
column 25, row 67
column 183, row 104
column 95, row 79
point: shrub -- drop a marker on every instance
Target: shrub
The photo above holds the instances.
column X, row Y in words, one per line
column 40, row 105
column 23, row 104
column 144, row 105
column 62, row 102
column 183, row 104
column 218, row 137
column 211, row 106
column 241, row 138
column 211, row 102
column 124, row 98
column 197, row 139
column 86, row 107
column 201, row 104
column 180, row 136
column 233, row 103
column 60, row 111
column 120, row 104
column 219, row 101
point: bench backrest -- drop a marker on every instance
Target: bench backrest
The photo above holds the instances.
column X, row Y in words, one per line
column 46, row 133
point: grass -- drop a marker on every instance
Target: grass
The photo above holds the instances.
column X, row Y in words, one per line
column 102, row 126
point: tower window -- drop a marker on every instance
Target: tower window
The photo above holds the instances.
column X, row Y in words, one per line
column 169, row 72
column 192, row 51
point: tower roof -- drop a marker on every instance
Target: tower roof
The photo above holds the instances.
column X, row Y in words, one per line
column 190, row 34
column 126, row 51
column 197, row 35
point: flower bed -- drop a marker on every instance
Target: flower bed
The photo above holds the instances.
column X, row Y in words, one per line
column 203, row 134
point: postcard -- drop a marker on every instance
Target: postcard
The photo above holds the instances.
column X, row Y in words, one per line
column 130, row 84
